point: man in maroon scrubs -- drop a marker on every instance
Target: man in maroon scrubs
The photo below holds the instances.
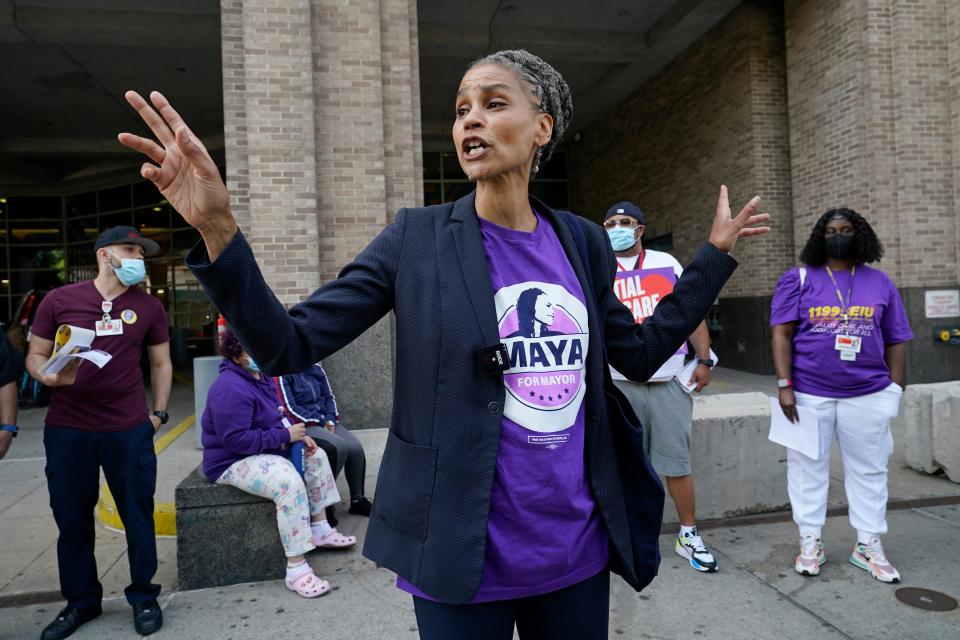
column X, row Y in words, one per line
column 99, row 418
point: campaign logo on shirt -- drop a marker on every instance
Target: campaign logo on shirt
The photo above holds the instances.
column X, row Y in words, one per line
column 544, row 327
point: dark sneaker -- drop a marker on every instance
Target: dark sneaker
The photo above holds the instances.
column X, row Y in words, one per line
column 691, row 547
column 361, row 507
column 68, row 621
column 147, row 617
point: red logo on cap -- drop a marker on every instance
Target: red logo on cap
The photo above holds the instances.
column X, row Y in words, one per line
column 133, row 234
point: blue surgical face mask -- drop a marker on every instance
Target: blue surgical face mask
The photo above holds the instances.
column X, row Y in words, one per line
column 621, row 238
column 252, row 366
column 131, row 271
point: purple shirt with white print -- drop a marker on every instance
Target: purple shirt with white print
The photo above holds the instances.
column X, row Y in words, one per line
column 544, row 532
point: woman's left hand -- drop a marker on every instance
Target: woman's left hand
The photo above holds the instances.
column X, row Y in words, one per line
column 727, row 230
column 309, row 445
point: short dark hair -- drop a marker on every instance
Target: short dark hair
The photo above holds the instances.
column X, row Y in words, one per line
column 230, row 346
column 866, row 245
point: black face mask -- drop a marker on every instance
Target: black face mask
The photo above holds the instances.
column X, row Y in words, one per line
column 839, row 246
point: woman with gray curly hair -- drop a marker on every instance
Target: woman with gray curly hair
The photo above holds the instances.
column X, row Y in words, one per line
column 506, row 490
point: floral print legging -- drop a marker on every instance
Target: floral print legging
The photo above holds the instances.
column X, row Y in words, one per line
column 275, row 478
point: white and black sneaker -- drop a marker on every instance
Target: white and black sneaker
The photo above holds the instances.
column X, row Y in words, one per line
column 690, row 546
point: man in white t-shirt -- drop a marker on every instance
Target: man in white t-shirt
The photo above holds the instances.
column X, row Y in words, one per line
column 665, row 409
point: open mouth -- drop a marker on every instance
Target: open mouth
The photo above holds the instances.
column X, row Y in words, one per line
column 474, row 148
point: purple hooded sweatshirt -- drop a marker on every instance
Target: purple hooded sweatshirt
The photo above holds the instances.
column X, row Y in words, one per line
column 241, row 419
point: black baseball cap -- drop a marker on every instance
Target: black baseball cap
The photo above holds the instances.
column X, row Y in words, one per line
column 625, row 209
column 126, row 235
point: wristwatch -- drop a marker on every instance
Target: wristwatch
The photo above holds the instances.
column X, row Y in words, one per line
column 12, row 428
column 707, row 361
column 784, row 383
column 163, row 415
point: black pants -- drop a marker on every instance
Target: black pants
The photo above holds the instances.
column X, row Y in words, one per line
column 74, row 458
column 579, row 612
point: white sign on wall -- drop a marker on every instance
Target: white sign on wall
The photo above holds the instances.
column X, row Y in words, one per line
column 942, row 304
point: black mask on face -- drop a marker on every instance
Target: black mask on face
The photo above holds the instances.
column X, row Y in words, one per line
column 839, row 246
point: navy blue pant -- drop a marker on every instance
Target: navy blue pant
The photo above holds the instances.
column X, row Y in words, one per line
column 579, row 612
column 74, row 459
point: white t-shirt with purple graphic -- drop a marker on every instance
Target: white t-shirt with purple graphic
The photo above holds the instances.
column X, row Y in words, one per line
column 544, row 531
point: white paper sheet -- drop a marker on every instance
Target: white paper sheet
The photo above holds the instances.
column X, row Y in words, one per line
column 803, row 436
column 683, row 376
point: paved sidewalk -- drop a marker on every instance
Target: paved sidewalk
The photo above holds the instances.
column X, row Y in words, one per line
column 755, row 596
column 28, row 554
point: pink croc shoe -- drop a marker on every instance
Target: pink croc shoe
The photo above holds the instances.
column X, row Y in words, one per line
column 334, row 540
column 306, row 583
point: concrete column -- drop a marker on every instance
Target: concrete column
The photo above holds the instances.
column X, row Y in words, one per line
column 873, row 109
column 322, row 119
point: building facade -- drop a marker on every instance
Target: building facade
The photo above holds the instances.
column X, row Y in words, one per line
column 334, row 114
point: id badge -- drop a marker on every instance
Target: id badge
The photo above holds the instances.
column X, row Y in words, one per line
column 109, row 328
column 847, row 343
column 848, row 346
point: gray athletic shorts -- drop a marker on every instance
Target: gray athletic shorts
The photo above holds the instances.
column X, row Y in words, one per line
column 666, row 412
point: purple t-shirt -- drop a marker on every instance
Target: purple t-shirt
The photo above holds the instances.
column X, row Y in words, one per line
column 544, row 531
column 876, row 314
column 112, row 398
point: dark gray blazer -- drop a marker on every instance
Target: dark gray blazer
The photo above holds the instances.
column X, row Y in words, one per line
column 429, row 520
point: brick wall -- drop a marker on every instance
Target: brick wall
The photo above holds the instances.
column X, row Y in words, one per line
column 322, row 122
column 268, row 127
column 870, row 125
column 874, row 95
column 715, row 115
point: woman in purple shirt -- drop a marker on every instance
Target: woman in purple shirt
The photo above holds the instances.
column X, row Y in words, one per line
column 498, row 498
column 839, row 348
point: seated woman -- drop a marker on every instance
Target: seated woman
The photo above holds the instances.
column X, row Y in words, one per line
column 308, row 398
column 245, row 445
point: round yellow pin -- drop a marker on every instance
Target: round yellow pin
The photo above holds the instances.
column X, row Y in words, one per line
column 128, row 315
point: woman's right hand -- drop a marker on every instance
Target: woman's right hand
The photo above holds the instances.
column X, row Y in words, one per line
column 297, row 432
column 184, row 171
column 788, row 403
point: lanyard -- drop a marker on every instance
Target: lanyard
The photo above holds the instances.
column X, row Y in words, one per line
column 844, row 306
column 639, row 265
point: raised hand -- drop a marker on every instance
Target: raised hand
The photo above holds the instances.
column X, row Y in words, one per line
column 182, row 170
column 727, row 230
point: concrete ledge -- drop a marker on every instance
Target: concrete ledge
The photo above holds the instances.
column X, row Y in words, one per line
column 736, row 469
column 931, row 425
column 225, row 536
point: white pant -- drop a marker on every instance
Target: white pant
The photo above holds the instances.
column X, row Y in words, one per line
column 862, row 427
